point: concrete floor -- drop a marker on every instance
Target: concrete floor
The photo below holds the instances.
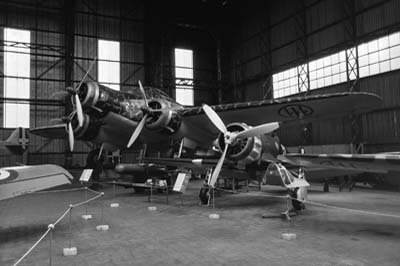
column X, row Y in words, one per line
column 184, row 235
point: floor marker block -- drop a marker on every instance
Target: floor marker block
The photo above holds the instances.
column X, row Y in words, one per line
column 72, row 251
column 102, row 227
column 214, row 216
column 87, row 217
column 288, row 236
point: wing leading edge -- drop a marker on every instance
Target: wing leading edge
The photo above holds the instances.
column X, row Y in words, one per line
column 200, row 129
column 380, row 163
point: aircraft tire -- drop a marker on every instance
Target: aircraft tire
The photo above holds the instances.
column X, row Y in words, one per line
column 138, row 189
column 204, row 194
column 297, row 205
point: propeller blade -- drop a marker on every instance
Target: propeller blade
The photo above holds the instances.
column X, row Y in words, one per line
column 217, row 169
column 143, row 93
column 137, row 131
column 79, row 111
column 56, row 121
column 215, row 119
column 59, row 94
column 70, row 137
column 258, row 130
column 87, row 73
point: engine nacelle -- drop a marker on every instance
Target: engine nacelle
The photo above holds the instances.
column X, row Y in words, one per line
column 244, row 150
column 88, row 130
column 96, row 95
column 167, row 121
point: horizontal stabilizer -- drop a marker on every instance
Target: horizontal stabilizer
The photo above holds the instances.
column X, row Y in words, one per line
column 297, row 182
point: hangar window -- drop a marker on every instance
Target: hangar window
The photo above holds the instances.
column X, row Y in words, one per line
column 184, row 76
column 380, row 55
column 328, row 70
column 285, row 83
column 16, row 80
column 108, row 64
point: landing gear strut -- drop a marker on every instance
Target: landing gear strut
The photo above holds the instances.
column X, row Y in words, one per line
column 293, row 205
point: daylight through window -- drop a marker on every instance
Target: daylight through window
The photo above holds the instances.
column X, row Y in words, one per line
column 108, row 63
column 374, row 57
column 16, row 80
column 184, row 76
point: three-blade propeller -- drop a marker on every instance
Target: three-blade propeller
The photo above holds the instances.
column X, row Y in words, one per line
column 78, row 107
column 231, row 137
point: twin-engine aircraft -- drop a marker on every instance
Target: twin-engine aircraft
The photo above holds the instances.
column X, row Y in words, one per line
column 19, row 180
column 240, row 131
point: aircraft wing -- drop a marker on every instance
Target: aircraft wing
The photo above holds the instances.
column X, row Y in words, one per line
column 19, row 180
column 197, row 125
column 51, row 132
column 376, row 163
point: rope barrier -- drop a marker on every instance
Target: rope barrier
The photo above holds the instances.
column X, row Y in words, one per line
column 62, row 216
column 327, row 206
column 87, row 201
column 33, row 247
column 54, row 191
column 52, row 226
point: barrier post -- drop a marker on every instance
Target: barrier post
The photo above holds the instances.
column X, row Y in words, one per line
column 69, row 226
column 86, row 200
column 70, row 250
column 51, row 227
column 114, row 204
column 86, row 216
column 102, row 226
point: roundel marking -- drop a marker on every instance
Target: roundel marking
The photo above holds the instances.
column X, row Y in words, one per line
column 295, row 111
column 7, row 175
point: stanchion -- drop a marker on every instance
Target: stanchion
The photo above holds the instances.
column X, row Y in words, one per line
column 102, row 226
column 214, row 216
column 51, row 228
column 70, row 250
column 114, row 204
column 86, row 216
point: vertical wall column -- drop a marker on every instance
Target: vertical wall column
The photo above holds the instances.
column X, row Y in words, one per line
column 352, row 68
column 303, row 77
column 265, row 49
column 69, row 42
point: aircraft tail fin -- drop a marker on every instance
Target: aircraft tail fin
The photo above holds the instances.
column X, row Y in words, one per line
column 18, row 139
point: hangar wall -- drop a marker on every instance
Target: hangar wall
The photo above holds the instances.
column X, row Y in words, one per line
column 275, row 36
column 64, row 36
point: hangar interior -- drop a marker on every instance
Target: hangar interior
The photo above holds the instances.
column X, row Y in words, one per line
column 229, row 51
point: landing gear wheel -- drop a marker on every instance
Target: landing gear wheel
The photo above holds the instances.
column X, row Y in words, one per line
column 297, row 205
column 326, row 186
column 204, row 195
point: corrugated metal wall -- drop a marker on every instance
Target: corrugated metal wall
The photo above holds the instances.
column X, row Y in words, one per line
column 300, row 31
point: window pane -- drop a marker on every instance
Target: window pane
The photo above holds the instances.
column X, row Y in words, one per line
column 108, row 64
column 383, row 43
column 184, row 70
column 373, row 46
column 184, row 95
column 394, row 39
column 395, row 63
column 17, row 73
